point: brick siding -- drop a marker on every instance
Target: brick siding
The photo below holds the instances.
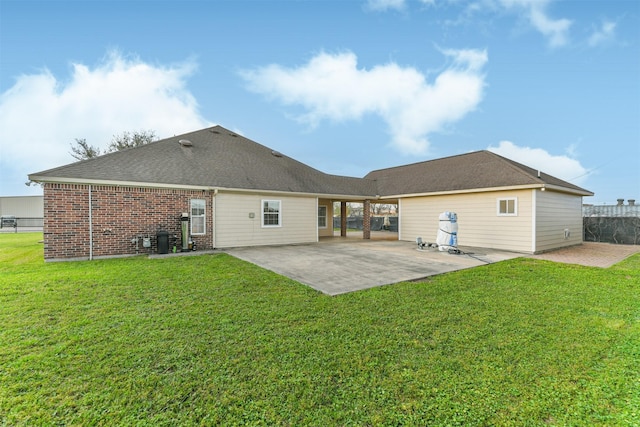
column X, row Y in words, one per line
column 118, row 215
column 366, row 220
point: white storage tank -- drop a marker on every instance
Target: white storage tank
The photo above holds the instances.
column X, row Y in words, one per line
column 447, row 237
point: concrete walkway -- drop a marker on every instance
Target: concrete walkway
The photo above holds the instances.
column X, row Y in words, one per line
column 336, row 267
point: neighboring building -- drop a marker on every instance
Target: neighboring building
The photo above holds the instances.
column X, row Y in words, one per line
column 28, row 210
column 237, row 192
column 22, row 206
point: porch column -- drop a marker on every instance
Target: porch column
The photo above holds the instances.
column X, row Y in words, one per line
column 366, row 220
column 343, row 219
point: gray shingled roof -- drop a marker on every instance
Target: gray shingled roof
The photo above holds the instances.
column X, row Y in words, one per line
column 475, row 170
column 219, row 158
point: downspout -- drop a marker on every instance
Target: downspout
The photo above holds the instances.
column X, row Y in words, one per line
column 534, row 220
column 213, row 218
column 90, row 226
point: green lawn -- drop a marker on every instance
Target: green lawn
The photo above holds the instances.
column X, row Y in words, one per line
column 212, row 340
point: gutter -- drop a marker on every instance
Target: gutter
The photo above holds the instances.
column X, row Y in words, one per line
column 58, row 180
column 541, row 187
column 133, row 184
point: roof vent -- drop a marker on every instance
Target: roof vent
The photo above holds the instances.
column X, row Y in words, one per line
column 276, row 153
column 185, row 143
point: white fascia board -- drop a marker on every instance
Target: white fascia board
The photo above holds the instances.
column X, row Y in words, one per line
column 343, row 197
column 115, row 183
column 567, row 190
column 488, row 190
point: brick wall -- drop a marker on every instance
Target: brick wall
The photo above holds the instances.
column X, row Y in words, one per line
column 119, row 214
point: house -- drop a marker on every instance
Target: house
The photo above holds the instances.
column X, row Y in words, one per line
column 501, row 204
column 236, row 192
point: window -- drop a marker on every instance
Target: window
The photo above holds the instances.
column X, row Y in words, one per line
column 198, row 218
column 322, row 216
column 271, row 213
column 508, row 207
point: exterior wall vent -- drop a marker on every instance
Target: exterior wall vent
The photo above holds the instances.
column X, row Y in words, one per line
column 185, row 143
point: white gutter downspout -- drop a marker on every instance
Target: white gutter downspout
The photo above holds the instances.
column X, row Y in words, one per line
column 534, row 220
column 90, row 226
column 213, row 218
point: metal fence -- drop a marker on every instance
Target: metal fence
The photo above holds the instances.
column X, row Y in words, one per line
column 23, row 224
column 377, row 223
column 618, row 224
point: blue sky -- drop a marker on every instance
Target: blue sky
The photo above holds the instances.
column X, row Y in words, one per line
column 344, row 86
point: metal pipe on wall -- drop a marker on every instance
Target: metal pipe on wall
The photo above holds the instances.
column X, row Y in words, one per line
column 90, row 225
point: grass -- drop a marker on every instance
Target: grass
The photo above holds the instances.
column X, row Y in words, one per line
column 212, row 340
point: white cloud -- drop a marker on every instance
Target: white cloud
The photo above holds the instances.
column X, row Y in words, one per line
column 534, row 11
column 384, row 5
column 560, row 166
column 556, row 30
column 332, row 87
column 41, row 115
column 605, row 34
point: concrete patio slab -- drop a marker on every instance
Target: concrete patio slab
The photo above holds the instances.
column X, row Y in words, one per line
column 337, row 267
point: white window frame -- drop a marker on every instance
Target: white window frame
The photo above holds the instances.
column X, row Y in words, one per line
column 506, row 200
column 326, row 213
column 198, row 204
column 263, row 213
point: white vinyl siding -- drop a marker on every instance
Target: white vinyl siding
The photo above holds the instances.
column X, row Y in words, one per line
column 478, row 224
column 198, row 217
column 556, row 213
column 238, row 219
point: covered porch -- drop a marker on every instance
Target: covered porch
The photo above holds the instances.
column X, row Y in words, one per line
column 358, row 219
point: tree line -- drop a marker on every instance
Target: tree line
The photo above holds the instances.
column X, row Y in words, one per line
column 82, row 150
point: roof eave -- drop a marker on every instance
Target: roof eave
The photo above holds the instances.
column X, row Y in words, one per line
column 354, row 197
column 62, row 180
column 116, row 183
column 493, row 189
column 574, row 191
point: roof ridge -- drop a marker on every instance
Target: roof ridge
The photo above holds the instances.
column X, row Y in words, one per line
column 517, row 166
column 424, row 161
